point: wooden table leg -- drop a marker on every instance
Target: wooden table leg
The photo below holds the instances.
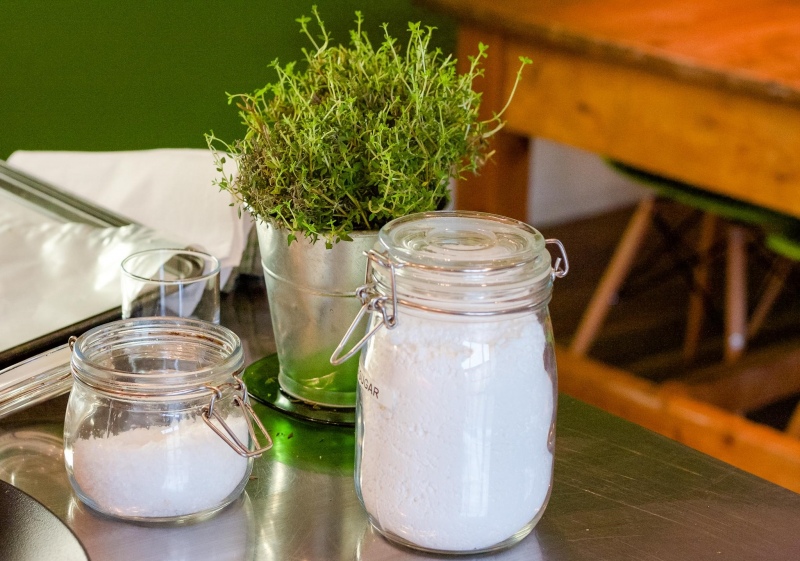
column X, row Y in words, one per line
column 502, row 185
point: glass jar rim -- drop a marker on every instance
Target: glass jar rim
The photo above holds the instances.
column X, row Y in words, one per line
column 462, row 262
column 206, row 257
column 92, row 350
column 427, row 239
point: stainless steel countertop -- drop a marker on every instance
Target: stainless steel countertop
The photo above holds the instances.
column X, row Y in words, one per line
column 621, row 492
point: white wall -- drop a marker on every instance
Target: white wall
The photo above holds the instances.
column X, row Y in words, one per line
column 566, row 184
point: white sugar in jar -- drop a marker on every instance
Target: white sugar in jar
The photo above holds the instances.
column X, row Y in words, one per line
column 456, row 401
column 158, row 426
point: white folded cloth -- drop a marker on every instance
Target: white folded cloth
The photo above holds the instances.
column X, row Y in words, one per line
column 168, row 190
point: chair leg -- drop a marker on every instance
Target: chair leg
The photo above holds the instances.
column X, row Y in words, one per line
column 777, row 278
column 700, row 286
column 613, row 277
column 793, row 427
column 736, row 294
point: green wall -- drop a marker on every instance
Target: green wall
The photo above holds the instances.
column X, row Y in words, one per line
column 125, row 75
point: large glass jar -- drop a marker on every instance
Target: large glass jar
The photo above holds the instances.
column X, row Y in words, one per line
column 457, row 391
column 158, row 427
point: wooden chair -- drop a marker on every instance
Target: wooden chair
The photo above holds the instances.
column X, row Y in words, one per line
column 738, row 218
column 704, row 410
column 765, row 376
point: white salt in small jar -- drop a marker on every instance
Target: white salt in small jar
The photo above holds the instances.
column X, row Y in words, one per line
column 158, row 426
column 456, row 402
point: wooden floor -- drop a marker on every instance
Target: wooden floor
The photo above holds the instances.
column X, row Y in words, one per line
column 644, row 330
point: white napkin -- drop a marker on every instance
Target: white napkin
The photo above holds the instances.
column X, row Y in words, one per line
column 168, row 190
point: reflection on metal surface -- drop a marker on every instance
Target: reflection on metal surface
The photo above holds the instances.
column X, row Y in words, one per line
column 300, row 501
column 374, row 546
column 228, row 536
column 309, row 446
column 29, row 531
column 32, row 459
column 305, row 483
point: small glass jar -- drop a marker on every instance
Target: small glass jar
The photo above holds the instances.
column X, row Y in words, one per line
column 457, row 391
column 158, row 427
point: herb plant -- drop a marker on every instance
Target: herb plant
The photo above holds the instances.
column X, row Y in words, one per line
column 361, row 136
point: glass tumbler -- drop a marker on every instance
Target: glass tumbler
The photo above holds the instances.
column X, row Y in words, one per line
column 456, row 403
column 158, row 426
column 171, row 282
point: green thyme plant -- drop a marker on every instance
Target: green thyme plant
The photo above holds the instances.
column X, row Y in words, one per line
column 361, row 136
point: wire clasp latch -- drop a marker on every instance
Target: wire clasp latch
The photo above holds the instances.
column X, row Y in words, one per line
column 371, row 301
column 226, row 433
column 562, row 260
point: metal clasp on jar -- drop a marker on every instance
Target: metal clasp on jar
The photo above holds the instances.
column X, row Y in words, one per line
column 239, row 400
column 562, row 260
column 371, row 301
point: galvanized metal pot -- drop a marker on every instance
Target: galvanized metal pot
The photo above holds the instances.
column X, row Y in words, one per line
column 312, row 300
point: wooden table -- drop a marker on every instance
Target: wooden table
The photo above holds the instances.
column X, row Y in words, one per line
column 705, row 91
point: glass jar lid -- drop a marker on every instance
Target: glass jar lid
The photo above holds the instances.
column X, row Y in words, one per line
column 469, row 263
column 156, row 357
column 465, row 241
